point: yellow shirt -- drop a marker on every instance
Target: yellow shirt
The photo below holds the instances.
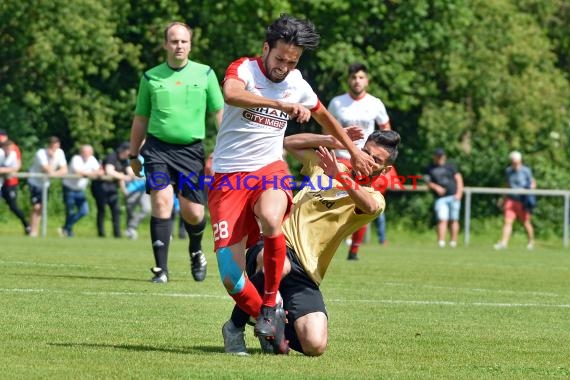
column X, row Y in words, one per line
column 323, row 215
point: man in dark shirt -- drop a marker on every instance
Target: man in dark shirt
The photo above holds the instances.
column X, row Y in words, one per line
column 447, row 184
column 106, row 192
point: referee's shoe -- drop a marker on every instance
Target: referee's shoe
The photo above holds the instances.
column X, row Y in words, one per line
column 160, row 276
column 198, row 265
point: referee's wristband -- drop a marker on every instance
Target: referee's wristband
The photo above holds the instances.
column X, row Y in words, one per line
column 133, row 156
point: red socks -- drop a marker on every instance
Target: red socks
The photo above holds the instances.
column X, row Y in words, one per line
column 248, row 299
column 357, row 239
column 274, row 252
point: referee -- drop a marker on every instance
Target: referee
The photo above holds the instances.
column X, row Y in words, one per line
column 168, row 128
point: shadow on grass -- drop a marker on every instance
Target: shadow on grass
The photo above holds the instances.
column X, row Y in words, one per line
column 140, row 348
column 84, row 277
column 144, row 348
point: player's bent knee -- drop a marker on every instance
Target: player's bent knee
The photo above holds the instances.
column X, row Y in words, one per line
column 312, row 333
column 314, row 347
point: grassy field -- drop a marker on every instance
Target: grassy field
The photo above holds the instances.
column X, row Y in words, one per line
column 84, row 308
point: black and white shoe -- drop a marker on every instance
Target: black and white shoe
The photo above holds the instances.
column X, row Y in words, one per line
column 198, row 265
column 160, row 276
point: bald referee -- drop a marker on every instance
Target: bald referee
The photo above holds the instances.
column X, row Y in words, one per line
column 170, row 119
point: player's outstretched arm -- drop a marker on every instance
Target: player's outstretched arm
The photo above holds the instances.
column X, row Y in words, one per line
column 362, row 163
column 363, row 200
column 301, row 145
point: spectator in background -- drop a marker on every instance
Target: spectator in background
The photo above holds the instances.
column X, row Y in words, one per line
column 445, row 181
column 51, row 161
column 12, row 164
column 518, row 176
column 106, row 192
column 380, row 222
column 85, row 165
column 138, row 204
column 358, row 108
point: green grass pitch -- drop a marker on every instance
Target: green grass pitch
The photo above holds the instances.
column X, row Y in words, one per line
column 83, row 308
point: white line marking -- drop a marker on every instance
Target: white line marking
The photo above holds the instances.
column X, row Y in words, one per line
column 339, row 300
column 480, row 290
column 36, row 264
column 454, row 303
column 105, row 294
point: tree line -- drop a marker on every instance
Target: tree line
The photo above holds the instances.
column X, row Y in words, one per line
column 477, row 77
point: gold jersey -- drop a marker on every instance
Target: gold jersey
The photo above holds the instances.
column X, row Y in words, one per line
column 323, row 215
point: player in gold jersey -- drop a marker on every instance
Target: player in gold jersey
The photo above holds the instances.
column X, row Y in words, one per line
column 333, row 205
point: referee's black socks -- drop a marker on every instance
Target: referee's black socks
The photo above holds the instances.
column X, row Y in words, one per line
column 160, row 232
column 195, row 233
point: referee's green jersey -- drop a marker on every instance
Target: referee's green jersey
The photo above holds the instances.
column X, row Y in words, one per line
column 176, row 101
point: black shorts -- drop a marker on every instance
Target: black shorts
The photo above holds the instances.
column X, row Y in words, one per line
column 181, row 166
column 35, row 194
column 301, row 295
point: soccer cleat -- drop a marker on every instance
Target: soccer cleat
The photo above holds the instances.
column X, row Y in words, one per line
column 499, row 246
column 352, row 256
column 441, row 243
column 265, row 324
column 453, row 244
column 160, row 276
column 198, row 265
column 277, row 344
column 62, row 232
column 234, row 339
column 132, row 234
column 265, row 344
column 530, row 246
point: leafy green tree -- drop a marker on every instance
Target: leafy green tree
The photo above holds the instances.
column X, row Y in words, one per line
column 58, row 55
column 478, row 77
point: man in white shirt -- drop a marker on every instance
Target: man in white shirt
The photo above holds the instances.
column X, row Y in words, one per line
column 261, row 95
column 357, row 108
column 76, row 207
column 50, row 161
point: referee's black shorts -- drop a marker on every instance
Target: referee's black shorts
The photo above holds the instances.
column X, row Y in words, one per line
column 181, row 166
column 301, row 295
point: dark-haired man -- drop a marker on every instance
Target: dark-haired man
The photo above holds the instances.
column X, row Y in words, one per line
column 358, row 108
column 262, row 94
column 106, row 192
column 446, row 183
column 51, row 161
column 321, row 218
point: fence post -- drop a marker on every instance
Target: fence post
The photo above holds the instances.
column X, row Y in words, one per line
column 44, row 204
column 566, row 216
column 467, row 223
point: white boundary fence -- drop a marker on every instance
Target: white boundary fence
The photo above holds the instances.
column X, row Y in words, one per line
column 468, row 193
column 45, row 189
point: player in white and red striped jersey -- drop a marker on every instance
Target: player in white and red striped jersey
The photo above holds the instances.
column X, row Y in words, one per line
column 261, row 95
column 358, row 108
